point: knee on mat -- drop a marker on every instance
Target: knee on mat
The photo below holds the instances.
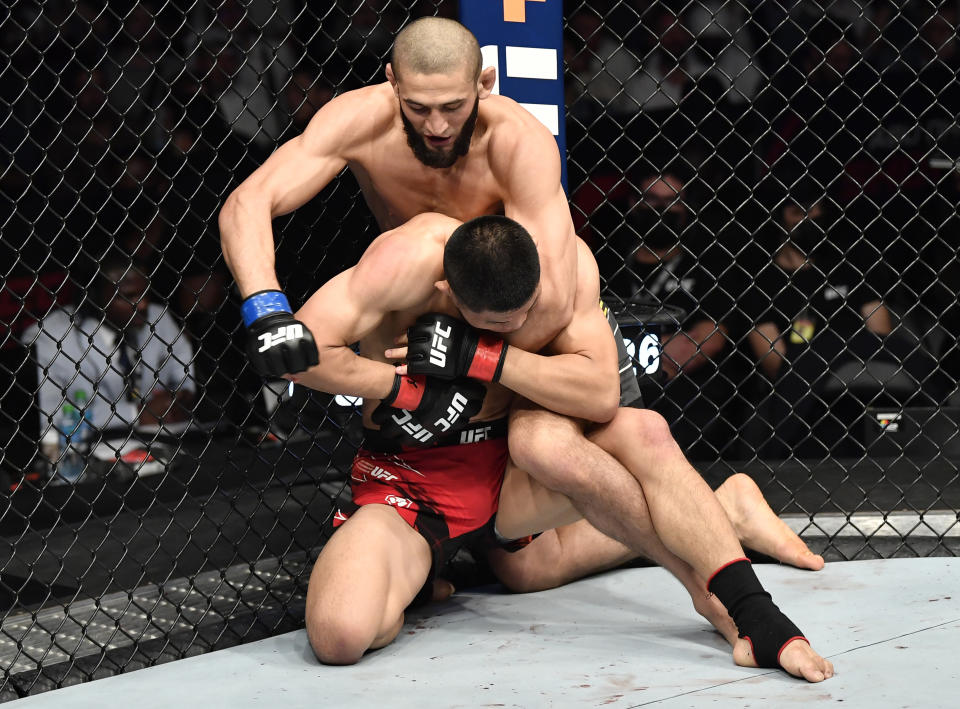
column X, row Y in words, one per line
column 336, row 642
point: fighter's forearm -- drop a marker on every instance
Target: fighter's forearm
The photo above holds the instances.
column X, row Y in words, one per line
column 569, row 384
column 246, row 236
column 342, row 371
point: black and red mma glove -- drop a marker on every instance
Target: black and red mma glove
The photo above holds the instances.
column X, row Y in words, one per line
column 420, row 408
column 441, row 346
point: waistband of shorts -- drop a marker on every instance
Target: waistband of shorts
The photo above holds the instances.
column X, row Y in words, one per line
column 375, row 442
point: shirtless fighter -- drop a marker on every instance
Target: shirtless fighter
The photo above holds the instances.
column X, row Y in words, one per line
column 489, row 273
column 433, row 138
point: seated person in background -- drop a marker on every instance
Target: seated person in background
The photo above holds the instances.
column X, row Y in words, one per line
column 655, row 257
column 816, row 308
column 114, row 363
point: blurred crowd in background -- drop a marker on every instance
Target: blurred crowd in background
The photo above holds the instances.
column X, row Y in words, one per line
column 784, row 173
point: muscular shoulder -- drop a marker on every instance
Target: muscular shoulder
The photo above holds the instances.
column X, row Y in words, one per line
column 403, row 264
column 518, row 143
column 588, row 277
column 357, row 119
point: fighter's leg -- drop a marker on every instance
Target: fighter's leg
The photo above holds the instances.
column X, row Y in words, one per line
column 579, row 549
column 571, row 550
column 366, row 575
column 559, row 556
column 687, row 516
column 759, row 528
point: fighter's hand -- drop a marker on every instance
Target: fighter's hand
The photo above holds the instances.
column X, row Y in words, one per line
column 442, row 346
column 420, row 408
column 277, row 343
column 398, row 353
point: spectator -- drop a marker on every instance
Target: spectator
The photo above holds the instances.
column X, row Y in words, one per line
column 118, row 360
column 603, row 63
column 822, row 336
column 656, row 257
column 823, row 129
column 937, row 284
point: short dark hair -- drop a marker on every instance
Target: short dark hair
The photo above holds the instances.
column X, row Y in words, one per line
column 436, row 45
column 491, row 263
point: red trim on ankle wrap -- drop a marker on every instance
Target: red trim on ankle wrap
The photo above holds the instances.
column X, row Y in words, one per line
column 795, row 637
column 729, row 563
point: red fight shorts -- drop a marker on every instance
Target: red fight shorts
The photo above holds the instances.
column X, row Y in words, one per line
column 448, row 493
column 443, row 493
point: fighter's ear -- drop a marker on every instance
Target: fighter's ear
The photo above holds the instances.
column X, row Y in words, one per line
column 488, row 78
column 444, row 287
column 391, row 77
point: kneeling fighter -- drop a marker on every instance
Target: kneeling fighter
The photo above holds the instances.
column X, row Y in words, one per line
column 383, row 295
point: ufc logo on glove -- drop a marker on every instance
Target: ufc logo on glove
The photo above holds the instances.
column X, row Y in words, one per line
column 404, row 419
column 453, row 412
column 281, row 335
column 438, row 349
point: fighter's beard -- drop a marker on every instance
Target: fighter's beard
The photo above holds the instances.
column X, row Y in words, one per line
column 437, row 158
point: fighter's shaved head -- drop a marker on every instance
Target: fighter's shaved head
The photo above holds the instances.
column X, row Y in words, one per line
column 436, row 45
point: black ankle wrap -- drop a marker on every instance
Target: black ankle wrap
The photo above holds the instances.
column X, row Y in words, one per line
column 752, row 609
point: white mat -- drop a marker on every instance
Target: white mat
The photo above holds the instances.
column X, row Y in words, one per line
column 625, row 639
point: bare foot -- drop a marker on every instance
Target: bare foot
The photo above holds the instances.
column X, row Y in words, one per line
column 759, row 528
column 797, row 658
column 710, row 607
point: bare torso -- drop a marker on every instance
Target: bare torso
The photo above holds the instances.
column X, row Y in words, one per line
column 397, row 186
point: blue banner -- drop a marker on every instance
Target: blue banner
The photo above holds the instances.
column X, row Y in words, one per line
column 523, row 39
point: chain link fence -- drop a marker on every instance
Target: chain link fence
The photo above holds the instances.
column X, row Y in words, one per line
column 769, row 187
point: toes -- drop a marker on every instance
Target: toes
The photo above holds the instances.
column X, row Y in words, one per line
column 808, row 560
column 800, row 660
column 797, row 659
column 818, row 670
column 813, row 674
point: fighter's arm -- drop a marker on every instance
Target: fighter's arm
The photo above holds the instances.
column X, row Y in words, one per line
column 351, row 306
column 526, row 163
column 289, row 178
column 578, row 374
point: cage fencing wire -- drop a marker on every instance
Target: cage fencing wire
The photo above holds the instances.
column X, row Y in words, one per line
column 769, row 188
